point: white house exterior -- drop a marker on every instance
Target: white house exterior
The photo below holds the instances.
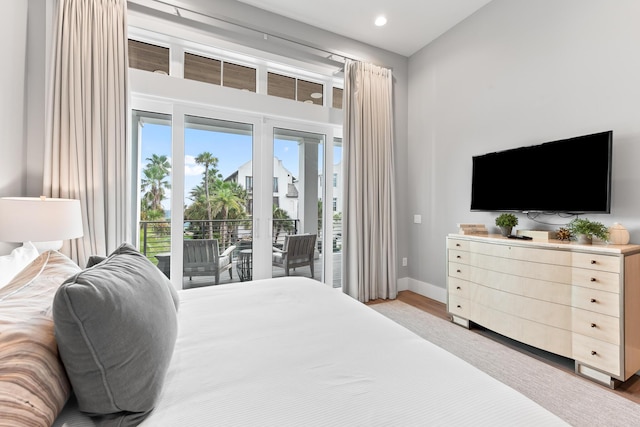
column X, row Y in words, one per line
column 285, row 190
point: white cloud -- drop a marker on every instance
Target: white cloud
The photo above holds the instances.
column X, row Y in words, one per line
column 191, row 168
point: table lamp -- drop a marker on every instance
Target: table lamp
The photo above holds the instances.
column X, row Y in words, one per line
column 44, row 221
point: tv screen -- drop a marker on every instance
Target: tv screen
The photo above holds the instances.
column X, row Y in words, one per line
column 570, row 175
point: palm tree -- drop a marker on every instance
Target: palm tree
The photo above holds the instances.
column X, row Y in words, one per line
column 226, row 201
column 208, row 160
column 280, row 223
column 155, row 182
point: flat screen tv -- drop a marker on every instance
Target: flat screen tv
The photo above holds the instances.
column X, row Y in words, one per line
column 566, row 176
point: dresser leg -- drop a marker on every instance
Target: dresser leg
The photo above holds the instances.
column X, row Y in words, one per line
column 596, row 376
column 460, row 321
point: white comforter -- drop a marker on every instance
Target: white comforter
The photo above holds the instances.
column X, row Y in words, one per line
column 293, row 352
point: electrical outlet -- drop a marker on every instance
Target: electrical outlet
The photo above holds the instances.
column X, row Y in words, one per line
column 404, row 262
column 417, row 219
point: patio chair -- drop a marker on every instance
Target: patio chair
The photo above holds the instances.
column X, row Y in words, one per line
column 201, row 257
column 297, row 251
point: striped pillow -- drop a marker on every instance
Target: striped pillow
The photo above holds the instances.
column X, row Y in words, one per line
column 33, row 384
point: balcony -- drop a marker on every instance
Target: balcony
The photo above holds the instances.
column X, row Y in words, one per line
column 155, row 239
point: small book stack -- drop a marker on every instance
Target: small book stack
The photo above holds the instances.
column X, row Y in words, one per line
column 472, row 229
column 543, row 236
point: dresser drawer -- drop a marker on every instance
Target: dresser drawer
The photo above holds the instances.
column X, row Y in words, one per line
column 524, row 253
column 533, row 288
column 458, row 287
column 597, row 301
column 459, row 306
column 460, row 257
column 461, row 271
column 597, row 354
column 548, row 338
column 596, row 262
column 596, row 279
column 542, row 312
column 595, row 325
column 462, row 245
column 520, row 268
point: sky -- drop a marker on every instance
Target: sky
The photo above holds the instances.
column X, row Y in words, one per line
column 232, row 151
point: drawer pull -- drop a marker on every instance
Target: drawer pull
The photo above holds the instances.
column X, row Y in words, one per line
column 593, row 279
column 593, row 325
column 458, row 287
column 458, row 271
column 593, row 352
column 459, row 306
column 458, row 245
column 593, row 261
column 458, row 256
column 593, row 300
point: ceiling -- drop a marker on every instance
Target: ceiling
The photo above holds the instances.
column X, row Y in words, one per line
column 411, row 24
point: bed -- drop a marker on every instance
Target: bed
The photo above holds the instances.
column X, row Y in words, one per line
column 292, row 351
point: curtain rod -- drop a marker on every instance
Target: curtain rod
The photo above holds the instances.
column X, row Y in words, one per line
column 180, row 11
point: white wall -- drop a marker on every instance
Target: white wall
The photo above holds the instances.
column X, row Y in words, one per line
column 13, row 44
column 519, row 72
column 40, row 26
column 24, row 26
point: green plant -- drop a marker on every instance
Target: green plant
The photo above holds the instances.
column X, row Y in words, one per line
column 507, row 220
column 588, row 228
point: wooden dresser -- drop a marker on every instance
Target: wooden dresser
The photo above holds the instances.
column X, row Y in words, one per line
column 578, row 301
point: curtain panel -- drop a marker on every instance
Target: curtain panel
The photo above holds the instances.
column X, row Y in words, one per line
column 86, row 155
column 369, row 251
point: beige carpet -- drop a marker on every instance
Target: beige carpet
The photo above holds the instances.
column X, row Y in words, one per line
column 576, row 400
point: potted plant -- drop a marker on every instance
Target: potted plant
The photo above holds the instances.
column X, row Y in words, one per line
column 584, row 230
column 506, row 222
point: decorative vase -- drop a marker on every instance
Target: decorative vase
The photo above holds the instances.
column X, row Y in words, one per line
column 618, row 235
column 505, row 231
column 584, row 239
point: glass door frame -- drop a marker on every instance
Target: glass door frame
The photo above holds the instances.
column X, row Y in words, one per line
column 263, row 134
column 329, row 132
column 181, row 111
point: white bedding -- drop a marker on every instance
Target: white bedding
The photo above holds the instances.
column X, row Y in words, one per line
column 293, row 352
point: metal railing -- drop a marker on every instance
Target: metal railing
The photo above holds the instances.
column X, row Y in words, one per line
column 155, row 236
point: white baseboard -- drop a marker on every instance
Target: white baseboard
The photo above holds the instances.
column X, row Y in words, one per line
column 425, row 289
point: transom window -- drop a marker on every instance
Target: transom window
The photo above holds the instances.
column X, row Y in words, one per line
column 154, row 58
column 148, row 57
column 217, row 72
column 295, row 89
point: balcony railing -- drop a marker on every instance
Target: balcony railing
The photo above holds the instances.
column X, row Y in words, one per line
column 155, row 236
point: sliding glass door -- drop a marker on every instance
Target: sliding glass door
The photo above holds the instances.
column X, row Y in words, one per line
column 240, row 183
column 151, row 140
column 297, row 194
column 218, row 199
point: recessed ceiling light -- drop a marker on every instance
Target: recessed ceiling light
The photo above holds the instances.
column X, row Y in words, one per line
column 308, row 101
column 380, row 21
column 316, row 95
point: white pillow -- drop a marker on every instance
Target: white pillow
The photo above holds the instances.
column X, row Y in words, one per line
column 12, row 264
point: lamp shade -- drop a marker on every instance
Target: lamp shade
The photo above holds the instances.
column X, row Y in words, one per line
column 24, row 219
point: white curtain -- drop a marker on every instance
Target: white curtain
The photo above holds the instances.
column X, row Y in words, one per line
column 369, row 252
column 86, row 155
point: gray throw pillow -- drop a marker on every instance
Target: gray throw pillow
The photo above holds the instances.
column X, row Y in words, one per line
column 127, row 249
column 95, row 260
column 116, row 326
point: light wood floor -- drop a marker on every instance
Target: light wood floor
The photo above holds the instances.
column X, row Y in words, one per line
column 629, row 389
